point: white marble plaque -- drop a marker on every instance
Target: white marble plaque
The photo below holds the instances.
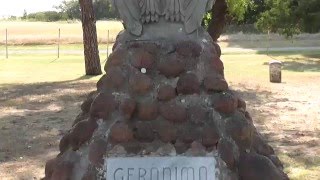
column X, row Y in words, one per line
column 161, row 168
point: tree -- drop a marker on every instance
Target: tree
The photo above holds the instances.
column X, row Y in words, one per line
column 223, row 10
column 71, row 9
column 91, row 51
column 290, row 17
column 25, row 15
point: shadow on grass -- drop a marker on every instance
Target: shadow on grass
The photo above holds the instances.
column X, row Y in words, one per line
column 300, row 146
column 35, row 116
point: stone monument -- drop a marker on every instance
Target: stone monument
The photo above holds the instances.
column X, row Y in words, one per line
column 163, row 110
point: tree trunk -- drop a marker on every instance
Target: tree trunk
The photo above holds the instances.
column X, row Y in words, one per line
column 91, row 51
column 218, row 22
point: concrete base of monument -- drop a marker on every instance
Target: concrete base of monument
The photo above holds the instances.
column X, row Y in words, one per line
column 167, row 102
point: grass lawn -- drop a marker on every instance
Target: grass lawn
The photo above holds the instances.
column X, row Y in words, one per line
column 41, row 97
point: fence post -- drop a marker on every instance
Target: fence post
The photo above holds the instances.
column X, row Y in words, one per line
column 59, row 36
column 7, row 55
column 108, row 45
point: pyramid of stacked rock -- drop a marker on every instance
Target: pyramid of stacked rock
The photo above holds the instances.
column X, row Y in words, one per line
column 164, row 98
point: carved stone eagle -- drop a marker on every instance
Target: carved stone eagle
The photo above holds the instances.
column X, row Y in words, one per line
column 135, row 13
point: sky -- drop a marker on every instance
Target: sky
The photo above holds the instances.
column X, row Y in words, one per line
column 16, row 7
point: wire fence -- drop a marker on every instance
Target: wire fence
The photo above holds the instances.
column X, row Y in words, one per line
column 52, row 45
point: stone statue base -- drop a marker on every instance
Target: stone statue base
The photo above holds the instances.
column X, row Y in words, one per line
column 164, row 97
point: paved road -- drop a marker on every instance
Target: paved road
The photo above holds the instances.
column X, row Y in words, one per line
column 227, row 50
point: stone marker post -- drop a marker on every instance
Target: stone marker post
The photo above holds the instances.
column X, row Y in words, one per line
column 275, row 71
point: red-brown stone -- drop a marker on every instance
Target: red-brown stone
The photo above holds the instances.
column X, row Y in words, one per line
column 140, row 83
column 113, row 79
column 81, row 133
column 172, row 67
column 148, row 111
column 276, row 161
column 217, row 65
column 257, row 167
column 189, row 48
column 117, row 58
column 217, row 48
column 50, row 167
column 242, row 104
column 191, row 134
column 63, row 171
column 225, row 150
column 240, row 130
column 225, row 103
column 167, row 132
column 64, row 143
column 103, row 105
column 144, row 132
column 260, row 145
column 214, row 82
column 197, row 115
column 85, row 106
column 166, row 92
column 181, row 147
column 96, row 151
column 188, row 84
column 210, row 137
column 127, row 108
column 173, row 112
column 121, row 133
column 142, row 59
column 197, row 149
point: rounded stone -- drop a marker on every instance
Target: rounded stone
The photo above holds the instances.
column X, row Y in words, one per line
column 81, row 133
column 132, row 147
column 172, row 67
column 240, row 131
column 96, row 151
column 166, row 93
column 63, row 171
column 64, row 143
column 127, row 108
column 144, row 132
column 103, row 105
column 242, row 104
column 181, row 147
column 167, row 132
column 210, row 137
column 260, row 145
column 217, row 48
column 225, row 150
column 188, row 84
column 191, row 134
column 197, row 115
column 148, row 111
column 217, row 65
column 173, row 112
column 254, row 166
column 214, row 82
column 276, row 161
column 197, row 149
column 142, row 59
column 140, row 83
column 85, row 106
column 50, row 167
column 117, row 58
column 225, row 103
column 121, row 133
column 189, row 49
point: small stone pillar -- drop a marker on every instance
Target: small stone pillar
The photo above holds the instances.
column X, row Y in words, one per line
column 275, row 71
